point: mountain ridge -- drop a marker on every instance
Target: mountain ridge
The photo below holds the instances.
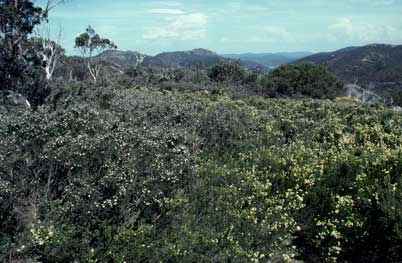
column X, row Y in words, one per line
column 269, row 60
column 376, row 67
column 179, row 59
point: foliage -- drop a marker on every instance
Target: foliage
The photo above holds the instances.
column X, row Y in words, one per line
column 301, row 80
column 224, row 71
column 90, row 44
column 20, row 64
column 151, row 164
column 374, row 67
column 398, row 98
column 113, row 174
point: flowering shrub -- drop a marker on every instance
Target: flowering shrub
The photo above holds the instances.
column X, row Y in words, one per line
column 144, row 175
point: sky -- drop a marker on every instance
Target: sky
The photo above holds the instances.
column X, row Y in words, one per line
column 257, row 26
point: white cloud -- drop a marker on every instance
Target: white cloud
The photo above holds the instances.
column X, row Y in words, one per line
column 182, row 27
column 167, row 11
column 384, row 2
column 374, row 2
column 164, row 3
column 279, row 33
column 268, row 34
column 246, row 40
column 362, row 32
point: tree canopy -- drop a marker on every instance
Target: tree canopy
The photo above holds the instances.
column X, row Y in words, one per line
column 91, row 44
column 303, row 80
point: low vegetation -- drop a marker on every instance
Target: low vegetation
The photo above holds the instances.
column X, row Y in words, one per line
column 216, row 164
column 115, row 174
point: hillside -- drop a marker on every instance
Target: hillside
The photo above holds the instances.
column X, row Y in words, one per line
column 375, row 66
column 127, row 58
column 269, row 59
column 190, row 58
column 177, row 59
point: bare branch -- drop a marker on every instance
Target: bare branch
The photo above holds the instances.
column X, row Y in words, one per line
column 52, row 4
column 139, row 58
column 89, row 45
column 117, row 68
column 51, row 50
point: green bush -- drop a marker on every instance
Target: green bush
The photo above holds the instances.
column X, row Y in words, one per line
column 227, row 71
column 301, row 80
column 398, row 99
column 114, row 174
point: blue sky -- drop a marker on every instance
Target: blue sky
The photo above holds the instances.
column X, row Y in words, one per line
column 232, row 26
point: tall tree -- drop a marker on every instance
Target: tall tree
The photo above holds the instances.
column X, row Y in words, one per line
column 50, row 50
column 17, row 21
column 91, row 44
column 18, row 60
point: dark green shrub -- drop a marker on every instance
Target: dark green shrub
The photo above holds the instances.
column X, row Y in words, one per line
column 301, row 80
column 112, row 174
column 227, row 71
column 398, row 99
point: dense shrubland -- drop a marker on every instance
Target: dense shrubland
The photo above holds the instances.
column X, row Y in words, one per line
column 113, row 174
column 212, row 164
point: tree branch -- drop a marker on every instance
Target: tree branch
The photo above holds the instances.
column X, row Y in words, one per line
column 52, row 4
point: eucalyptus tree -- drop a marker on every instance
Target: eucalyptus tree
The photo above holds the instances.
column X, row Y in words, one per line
column 50, row 50
column 18, row 59
column 17, row 21
column 90, row 44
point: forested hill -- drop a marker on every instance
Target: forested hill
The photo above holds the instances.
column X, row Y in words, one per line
column 376, row 65
column 269, row 59
column 189, row 58
column 128, row 58
column 177, row 59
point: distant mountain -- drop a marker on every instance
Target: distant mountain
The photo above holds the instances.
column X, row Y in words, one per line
column 295, row 55
column 190, row 58
column 375, row 66
column 178, row 59
column 119, row 57
column 127, row 58
column 269, row 60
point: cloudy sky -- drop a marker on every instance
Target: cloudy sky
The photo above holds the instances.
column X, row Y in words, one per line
column 232, row 26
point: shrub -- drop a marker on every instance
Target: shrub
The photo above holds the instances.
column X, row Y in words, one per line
column 112, row 174
column 304, row 80
column 225, row 71
column 398, row 99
